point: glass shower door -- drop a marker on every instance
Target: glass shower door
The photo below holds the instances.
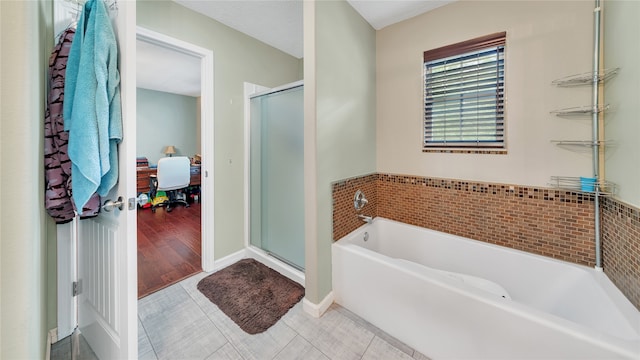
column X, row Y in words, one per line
column 277, row 175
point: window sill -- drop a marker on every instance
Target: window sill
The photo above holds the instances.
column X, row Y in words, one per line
column 466, row 151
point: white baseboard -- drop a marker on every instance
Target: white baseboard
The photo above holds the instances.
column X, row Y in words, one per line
column 286, row 270
column 262, row 257
column 53, row 333
column 317, row 310
column 228, row 260
column 52, row 338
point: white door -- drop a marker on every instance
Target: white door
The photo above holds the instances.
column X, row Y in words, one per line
column 107, row 250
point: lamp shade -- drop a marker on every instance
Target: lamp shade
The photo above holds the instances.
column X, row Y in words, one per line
column 169, row 150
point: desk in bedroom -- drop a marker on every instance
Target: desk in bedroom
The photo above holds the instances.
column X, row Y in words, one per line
column 143, row 174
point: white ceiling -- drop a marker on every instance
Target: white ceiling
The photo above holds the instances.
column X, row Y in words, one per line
column 382, row 13
column 275, row 22
column 167, row 70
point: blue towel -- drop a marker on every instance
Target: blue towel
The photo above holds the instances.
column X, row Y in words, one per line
column 92, row 109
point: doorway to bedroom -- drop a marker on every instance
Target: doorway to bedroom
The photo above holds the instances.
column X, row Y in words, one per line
column 171, row 121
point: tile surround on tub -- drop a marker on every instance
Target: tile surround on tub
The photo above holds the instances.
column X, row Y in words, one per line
column 345, row 216
column 544, row 221
column 621, row 247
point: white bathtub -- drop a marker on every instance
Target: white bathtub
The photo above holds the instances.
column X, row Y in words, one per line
column 411, row 282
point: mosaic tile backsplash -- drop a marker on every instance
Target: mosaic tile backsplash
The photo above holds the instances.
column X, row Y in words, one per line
column 550, row 222
column 621, row 247
column 543, row 221
column 345, row 217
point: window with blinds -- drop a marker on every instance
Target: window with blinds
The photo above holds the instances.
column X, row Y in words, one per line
column 464, row 95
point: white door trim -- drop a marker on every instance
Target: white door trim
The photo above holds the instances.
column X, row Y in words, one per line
column 66, row 275
column 206, row 133
column 249, row 89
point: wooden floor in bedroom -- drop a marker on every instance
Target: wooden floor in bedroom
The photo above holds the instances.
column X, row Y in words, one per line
column 169, row 247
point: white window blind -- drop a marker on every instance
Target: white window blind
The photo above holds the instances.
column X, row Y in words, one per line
column 464, row 94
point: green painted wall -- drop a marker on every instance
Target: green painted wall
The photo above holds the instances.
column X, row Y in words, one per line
column 345, row 80
column 165, row 119
column 237, row 58
column 25, row 27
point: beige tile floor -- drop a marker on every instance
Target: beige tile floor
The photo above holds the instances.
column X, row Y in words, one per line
column 181, row 323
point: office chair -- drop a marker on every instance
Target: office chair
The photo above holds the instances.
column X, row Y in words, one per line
column 174, row 173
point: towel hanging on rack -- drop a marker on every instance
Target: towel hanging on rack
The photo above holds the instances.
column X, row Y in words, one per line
column 92, row 108
column 57, row 165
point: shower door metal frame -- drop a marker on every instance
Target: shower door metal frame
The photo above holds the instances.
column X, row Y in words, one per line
column 294, row 270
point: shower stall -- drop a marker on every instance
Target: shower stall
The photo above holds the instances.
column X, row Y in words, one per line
column 276, row 179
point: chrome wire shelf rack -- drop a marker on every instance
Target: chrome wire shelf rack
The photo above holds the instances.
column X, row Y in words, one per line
column 583, row 185
column 580, row 111
column 586, row 78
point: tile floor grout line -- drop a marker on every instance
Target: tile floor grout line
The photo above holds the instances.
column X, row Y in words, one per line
column 235, row 348
column 384, row 336
column 216, row 350
column 307, row 340
column 367, row 348
column 203, row 310
column 229, row 341
column 146, row 334
column 321, row 352
column 315, row 347
column 287, row 344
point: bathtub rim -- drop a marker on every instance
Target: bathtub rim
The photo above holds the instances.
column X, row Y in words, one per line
column 625, row 346
column 600, row 277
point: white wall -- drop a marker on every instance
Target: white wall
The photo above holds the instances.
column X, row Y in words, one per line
column 166, row 119
column 25, row 33
column 622, row 123
column 344, row 118
column 546, row 40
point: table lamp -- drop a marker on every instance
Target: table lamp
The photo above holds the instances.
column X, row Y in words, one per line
column 169, row 150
